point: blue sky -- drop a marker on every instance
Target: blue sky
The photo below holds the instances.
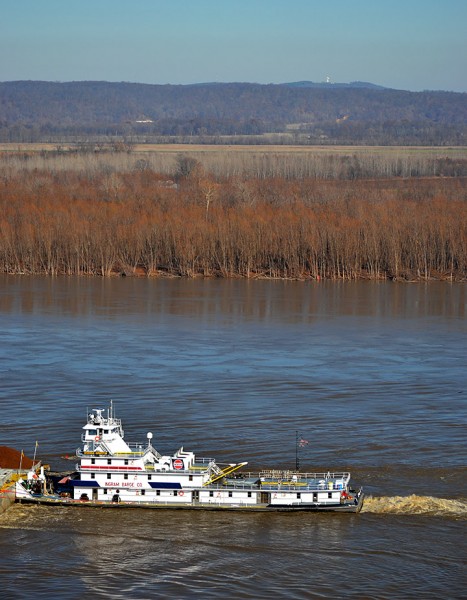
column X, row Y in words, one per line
column 404, row 44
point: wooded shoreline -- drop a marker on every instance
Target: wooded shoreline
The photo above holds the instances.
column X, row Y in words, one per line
column 134, row 220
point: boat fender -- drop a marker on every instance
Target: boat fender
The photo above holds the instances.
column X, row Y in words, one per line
column 181, row 493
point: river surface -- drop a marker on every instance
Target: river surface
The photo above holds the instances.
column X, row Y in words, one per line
column 372, row 374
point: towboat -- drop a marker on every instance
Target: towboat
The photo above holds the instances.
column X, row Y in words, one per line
column 112, row 473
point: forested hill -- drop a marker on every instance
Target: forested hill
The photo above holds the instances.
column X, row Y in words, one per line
column 301, row 112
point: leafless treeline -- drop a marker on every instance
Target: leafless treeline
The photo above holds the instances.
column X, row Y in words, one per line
column 290, row 162
column 102, row 223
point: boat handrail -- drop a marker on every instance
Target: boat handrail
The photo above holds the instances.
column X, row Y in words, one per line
column 103, row 421
column 297, row 476
column 132, row 454
column 271, row 487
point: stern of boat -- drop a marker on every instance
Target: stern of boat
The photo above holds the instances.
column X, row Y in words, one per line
column 358, row 501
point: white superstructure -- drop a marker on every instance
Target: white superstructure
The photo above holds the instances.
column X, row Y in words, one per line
column 111, row 471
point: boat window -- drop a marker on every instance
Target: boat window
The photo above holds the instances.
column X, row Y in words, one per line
column 149, row 477
column 249, row 494
column 109, row 476
column 299, row 495
column 315, row 497
column 175, row 493
column 93, row 461
column 230, row 494
column 93, row 475
column 109, row 461
column 92, row 432
column 125, row 476
column 126, row 461
column 211, row 494
column 158, row 492
column 105, row 492
column 143, row 492
column 329, row 494
column 190, row 477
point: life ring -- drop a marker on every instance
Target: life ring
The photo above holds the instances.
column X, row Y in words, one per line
column 181, row 493
column 97, row 438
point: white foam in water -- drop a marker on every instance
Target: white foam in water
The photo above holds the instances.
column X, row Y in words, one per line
column 415, row 505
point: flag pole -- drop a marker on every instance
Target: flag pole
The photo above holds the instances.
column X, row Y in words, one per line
column 297, row 460
column 20, row 462
column 34, row 459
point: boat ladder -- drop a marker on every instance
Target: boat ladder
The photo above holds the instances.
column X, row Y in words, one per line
column 218, row 473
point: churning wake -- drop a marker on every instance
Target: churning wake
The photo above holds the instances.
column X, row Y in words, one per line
column 415, row 505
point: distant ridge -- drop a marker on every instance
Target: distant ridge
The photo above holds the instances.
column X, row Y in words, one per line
column 329, row 84
column 299, row 84
column 302, row 112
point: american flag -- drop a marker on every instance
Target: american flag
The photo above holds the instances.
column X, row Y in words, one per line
column 302, row 442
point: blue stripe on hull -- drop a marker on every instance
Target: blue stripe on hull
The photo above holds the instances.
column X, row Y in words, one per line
column 79, row 483
column 165, row 485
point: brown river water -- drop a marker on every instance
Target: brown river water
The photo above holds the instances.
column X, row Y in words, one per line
column 372, row 374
